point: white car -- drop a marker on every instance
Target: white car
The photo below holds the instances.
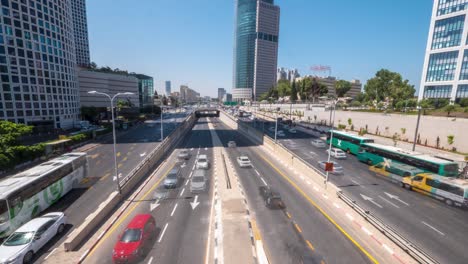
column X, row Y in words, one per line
column 337, row 169
column 337, row 153
column 22, row 244
column 244, row 161
column 202, row 162
column 318, row 143
column 231, row 144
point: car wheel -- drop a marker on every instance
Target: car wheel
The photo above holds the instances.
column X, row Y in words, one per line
column 28, row 258
column 449, row 202
column 408, row 187
column 60, row 229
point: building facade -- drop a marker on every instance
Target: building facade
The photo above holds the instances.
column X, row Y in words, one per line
column 80, row 28
column 188, row 95
column 227, row 97
column 221, row 93
column 168, row 88
column 109, row 83
column 145, row 89
column 38, row 75
column 445, row 69
column 256, row 48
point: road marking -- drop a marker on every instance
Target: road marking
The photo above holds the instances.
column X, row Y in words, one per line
column 388, row 249
column 366, row 231
column 310, row 245
column 120, row 165
column 325, row 196
column 298, row 228
column 125, row 159
column 182, row 192
column 52, row 252
column 118, row 154
column 162, row 234
column 120, row 221
column 257, row 172
column 150, row 260
column 316, row 189
column 302, row 177
column 190, row 176
column 308, row 182
column 264, row 182
column 186, row 182
column 142, row 154
column 383, row 198
column 433, row 228
column 173, row 210
column 337, row 205
column 105, row 176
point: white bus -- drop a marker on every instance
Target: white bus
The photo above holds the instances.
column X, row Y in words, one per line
column 26, row 194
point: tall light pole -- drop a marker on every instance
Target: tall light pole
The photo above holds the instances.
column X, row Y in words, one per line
column 331, row 139
column 162, row 133
column 417, row 127
column 111, row 99
column 276, row 125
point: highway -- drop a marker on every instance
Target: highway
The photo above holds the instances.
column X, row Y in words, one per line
column 317, row 238
column 182, row 223
column 132, row 147
column 439, row 229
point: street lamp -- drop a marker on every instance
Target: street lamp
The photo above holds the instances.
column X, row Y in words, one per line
column 331, row 139
column 113, row 130
column 276, row 125
column 417, row 127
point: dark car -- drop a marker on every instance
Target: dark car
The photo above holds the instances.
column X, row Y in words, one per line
column 272, row 198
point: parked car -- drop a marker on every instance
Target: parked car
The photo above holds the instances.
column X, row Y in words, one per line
column 198, row 182
column 135, row 240
column 318, row 143
column 337, row 169
column 184, row 154
column 172, row 178
column 232, row 144
column 202, row 162
column 244, row 161
column 272, row 198
column 22, row 244
column 337, row 153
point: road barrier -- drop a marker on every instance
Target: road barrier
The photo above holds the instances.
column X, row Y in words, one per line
column 299, row 164
column 144, row 168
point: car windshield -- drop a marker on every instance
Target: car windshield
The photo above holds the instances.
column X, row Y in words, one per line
column 244, row 159
column 202, row 160
column 131, row 235
column 172, row 176
column 19, row 238
column 198, row 179
column 3, row 211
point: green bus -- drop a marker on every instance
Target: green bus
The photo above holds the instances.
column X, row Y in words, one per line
column 372, row 153
column 346, row 141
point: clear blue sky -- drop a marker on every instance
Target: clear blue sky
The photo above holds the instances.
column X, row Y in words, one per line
column 191, row 41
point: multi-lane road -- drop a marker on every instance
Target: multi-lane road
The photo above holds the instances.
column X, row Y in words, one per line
column 439, row 229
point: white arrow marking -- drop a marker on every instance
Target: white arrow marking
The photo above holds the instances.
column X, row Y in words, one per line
column 383, row 198
column 142, row 154
column 367, row 198
column 194, row 204
column 183, row 165
column 115, row 178
column 153, row 206
column 396, row 198
column 206, row 148
column 191, row 149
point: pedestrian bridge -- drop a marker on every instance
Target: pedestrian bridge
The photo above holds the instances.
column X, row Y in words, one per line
column 207, row 112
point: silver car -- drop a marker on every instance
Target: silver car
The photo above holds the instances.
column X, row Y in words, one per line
column 198, row 182
column 337, row 169
column 172, row 178
column 318, row 143
column 244, row 161
column 202, row 162
column 184, row 154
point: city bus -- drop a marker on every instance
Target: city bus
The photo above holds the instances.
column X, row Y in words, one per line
column 346, row 141
column 372, row 153
column 394, row 171
column 452, row 191
column 26, row 194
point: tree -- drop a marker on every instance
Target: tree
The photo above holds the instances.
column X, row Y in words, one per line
column 425, row 104
column 350, row 121
column 360, row 97
column 11, row 132
column 315, row 88
column 388, row 84
column 464, row 102
column 342, row 87
column 293, row 91
column 284, row 88
column 450, row 108
column 450, row 139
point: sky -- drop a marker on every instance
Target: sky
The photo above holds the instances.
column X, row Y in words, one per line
column 191, row 41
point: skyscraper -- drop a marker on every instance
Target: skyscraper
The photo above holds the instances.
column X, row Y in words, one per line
column 445, row 70
column 80, row 28
column 168, row 88
column 38, row 74
column 221, row 93
column 256, row 48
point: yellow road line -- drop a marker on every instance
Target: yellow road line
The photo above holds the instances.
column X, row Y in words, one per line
column 120, row 165
column 119, row 222
column 118, row 154
column 256, row 231
column 298, row 228
column 289, row 215
column 125, row 159
column 310, row 245
column 105, row 176
column 321, row 210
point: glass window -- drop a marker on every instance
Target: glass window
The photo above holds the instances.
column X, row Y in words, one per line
column 131, row 235
column 464, row 67
column 437, row 91
column 451, row 6
column 448, row 32
column 442, row 66
column 462, row 91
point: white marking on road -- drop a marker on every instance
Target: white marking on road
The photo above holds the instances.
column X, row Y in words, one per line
column 308, row 182
column 355, row 182
column 367, row 198
column 389, row 201
column 388, row 249
column 190, row 176
column 182, row 192
column 52, row 252
column 325, row 196
column 191, row 149
column 337, row 205
column 150, row 260
column 264, row 182
column 84, row 255
column 316, row 189
column 186, row 182
column 350, row 217
column 366, row 231
column 302, row 177
column 173, row 210
column 162, row 234
column 433, row 228
column 256, row 171
column 142, row 154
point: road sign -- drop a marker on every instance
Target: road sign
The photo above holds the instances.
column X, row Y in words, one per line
column 329, row 166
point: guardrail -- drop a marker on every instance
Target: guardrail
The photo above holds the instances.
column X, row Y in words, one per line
column 413, row 250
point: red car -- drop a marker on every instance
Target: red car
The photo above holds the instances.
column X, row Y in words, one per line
column 135, row 239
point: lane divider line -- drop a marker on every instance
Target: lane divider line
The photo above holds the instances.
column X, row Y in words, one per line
column 162, row 234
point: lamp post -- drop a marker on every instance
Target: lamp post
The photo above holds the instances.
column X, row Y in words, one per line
column 111, row 99
column 162, row 128
column 331, row 139
column 276, row 125
column 417, row 127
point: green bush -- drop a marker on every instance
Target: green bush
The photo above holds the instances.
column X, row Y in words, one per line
column 341, row 126
column 464, row 102
column 16, row 155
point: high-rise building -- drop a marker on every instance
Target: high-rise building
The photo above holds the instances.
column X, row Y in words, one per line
column 256, row 48
column 227, row 97
column 168, row 88
column 188, row 95
column 38, row 76
column 221, row 93
column 445, row 70
column 145, row 89
column 281, row 74
column 80, row 28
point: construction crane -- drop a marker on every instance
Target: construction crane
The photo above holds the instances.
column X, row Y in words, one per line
column 321, row 68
